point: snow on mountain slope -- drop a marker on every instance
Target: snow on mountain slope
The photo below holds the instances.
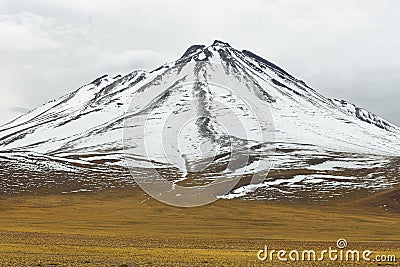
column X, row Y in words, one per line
column 210, row 83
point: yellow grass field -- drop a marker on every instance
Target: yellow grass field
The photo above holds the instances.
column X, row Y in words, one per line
column 127, row 228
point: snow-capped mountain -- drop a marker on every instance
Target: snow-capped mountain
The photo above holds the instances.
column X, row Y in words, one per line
column 320, row 144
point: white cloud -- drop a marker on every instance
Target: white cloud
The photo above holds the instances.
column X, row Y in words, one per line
column 24, row 33
column 45, row 57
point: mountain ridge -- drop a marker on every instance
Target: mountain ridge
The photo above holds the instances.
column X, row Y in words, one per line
column 85, row 127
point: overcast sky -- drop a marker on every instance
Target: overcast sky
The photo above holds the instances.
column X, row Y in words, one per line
column 344, row 49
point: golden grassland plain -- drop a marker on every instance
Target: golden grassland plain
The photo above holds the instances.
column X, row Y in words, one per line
column 127, row 228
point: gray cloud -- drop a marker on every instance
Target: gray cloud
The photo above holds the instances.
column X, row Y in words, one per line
column 344, row 49
column 21, row 110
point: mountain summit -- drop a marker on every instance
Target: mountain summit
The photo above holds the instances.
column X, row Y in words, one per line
column 321, row 144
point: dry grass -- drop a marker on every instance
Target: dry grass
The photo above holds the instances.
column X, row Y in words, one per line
column 126, row 227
